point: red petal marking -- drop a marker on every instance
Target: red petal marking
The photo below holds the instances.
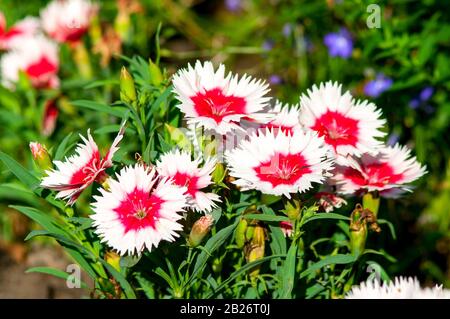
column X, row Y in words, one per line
column 182, row 179
column 88, row 172
column 275, row 127
column 379, row 174
column 214, row 104
column 337, row 129
column 42, row 67
column 283, row 169
column 139, row 210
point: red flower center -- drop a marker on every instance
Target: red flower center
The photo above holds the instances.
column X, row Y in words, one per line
column 378, row 174
column 182, row 179
column 283, row 169
column 139, row 210
column 88, row 172
column 214, row 104
column 41, row 67
column 337, row 129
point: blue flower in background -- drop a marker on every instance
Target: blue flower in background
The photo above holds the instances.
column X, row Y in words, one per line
column 268, row 45
column 421, row 100
column 426, row 93
column 378, row 85
column 393, row 139
column 275, row 79
column 233, row 5
column 287, row 30
column 339, row 44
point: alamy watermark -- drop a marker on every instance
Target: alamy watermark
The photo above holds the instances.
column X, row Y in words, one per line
column 373, row 21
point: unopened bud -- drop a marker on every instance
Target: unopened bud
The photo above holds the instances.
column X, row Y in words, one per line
column 113, row 259
column 371, row 201
column 358, row 231
column 127, row 89
column 255, row 249
column 258, row 236
column 155, row 73
column 240, row 232
column 200, row 229
column 41, row 156
column 219, row 173
column 293, row 209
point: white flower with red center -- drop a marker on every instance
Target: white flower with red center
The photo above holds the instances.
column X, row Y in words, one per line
column 37, row 57
column 12, row 36
column 68, row 20
column 278, row 163
column 138, row 211
column 80, row 170
column 218, row 102
column 329, row 201
column 349, row 127
column 386, row 172
column 399, row 288
column 286, row 118
column 184, row 171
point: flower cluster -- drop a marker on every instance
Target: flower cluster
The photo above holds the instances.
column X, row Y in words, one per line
column 328, row 139
column 30, row 43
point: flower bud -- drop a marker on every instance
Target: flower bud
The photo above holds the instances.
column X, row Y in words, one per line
column 240, row 232
column 41, row 156
column 127, row 89
column 371, row 201
column 293, row 209
column 155, row 73
column 200, row 229
column 255, row 249
column 113, row 259
column 219, row 173
column 358, row 231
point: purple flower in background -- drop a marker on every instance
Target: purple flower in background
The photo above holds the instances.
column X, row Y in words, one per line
column 268, row 45
column 392, row 139
column 275, row 79
column 233, row 5
column 426, row 93
column 287, row 29
column 414, row 104
column 339, row 43
column 420, row 100
column 378, row 85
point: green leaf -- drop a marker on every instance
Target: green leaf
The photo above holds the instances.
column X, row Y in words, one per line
column 17, row 193
column 147, row 286
column 45, row 220
column 313, row 291
column 239, row 272
column 62, row 148
column 329, row 260
column 278, row 242
column 288, row 273
column 267, row 218
column 390, row 225
column 212, row 244
column 327, row 216
column 19, row 171
column 54, row 272
column 98, row 107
